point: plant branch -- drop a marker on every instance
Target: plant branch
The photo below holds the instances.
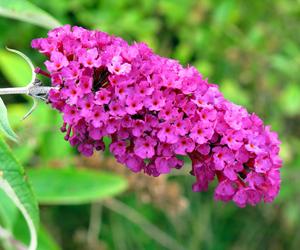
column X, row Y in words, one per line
column 34, row 88
column 35, row 91
column 94, row 225
column 13, row 91
column 158, row 235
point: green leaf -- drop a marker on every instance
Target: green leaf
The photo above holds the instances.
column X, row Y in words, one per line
column 14, row 222
column 25, row 11
column 74, row 186
column 4, row 123
column 8, row 211
column 28, row 61
column 46, row 241
column 14, row 68
column 14, row 183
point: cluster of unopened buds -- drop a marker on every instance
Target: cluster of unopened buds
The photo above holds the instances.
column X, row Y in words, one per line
column 154, row 110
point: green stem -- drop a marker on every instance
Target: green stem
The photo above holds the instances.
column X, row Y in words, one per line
column 94, row 225
column 158, row 235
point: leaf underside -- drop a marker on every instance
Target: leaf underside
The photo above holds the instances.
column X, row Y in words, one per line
column 14, row 183
column 4, row 123
column 25, row 11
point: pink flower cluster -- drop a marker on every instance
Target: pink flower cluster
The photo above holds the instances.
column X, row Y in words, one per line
column 155, row 110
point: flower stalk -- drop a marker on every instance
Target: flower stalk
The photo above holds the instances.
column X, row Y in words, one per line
column 35, row 91
column 34, row 87
column 13, row 91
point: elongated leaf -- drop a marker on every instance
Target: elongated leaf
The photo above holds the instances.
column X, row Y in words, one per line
column 4, row 123
column 14, row 183
column 74, row 186
column 8, row 211
column 28, row 61
column 25, row 11
column 14, row 222
column 45, row 240
column 15, row 69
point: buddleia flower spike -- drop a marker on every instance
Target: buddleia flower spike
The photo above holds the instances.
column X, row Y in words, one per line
column 155, row 112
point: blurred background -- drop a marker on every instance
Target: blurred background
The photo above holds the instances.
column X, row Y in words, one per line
column 251, row 49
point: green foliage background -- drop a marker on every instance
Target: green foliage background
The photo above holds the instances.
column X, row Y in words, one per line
column 250, row 48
